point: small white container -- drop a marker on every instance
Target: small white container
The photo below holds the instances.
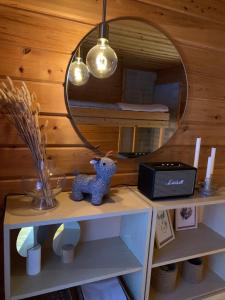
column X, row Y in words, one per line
column 67, row 253
column 33, row 261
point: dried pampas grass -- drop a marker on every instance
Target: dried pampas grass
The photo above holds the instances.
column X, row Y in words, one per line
column 22, row 109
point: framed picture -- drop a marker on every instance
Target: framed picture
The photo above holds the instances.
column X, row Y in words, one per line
column 186, row 218
column 164, row 228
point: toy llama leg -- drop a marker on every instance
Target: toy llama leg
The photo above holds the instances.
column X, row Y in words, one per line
column 96, row 199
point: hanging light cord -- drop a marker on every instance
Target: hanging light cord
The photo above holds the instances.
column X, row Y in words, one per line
column 78, row 52
column 103, row 28
column 104, row 11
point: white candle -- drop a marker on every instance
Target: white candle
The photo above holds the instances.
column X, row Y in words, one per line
column 213, row 155
column 209, row 167
column 197, row 151
column 33, row 263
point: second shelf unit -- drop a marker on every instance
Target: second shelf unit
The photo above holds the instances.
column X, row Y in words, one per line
column 206, row 240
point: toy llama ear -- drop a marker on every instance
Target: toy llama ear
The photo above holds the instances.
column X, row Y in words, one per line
column 109, row 153
column 95, row 160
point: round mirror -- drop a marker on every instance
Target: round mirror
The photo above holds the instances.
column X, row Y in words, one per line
column 137, row 108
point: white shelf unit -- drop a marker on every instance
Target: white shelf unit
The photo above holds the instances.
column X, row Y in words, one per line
column 207, row 240
column 118, row 245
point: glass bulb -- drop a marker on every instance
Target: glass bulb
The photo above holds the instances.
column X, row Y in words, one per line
column 102, row 59
column 78, row 73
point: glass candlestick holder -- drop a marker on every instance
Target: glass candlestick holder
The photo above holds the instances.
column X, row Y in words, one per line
column 207, row 188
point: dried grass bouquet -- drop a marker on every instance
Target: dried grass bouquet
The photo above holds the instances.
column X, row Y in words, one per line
column 22, row 109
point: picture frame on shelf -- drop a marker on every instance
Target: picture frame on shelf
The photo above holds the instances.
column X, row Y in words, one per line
column 164, row 229
column 186, row 218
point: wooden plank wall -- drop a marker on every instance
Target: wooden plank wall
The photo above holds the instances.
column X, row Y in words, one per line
column 37, row 38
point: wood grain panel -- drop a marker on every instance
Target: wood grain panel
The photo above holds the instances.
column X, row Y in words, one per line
column 17, row 162
column 49, row 95
column 34, row 30
column 86, row 11
column 206, row 9
column 188, row 132
column 186, row 152
column 181, row 27
column 210, row 111
column 90, row 11
column 59, row 131
column 33, row 64
column 203, row 60
column 206, row 87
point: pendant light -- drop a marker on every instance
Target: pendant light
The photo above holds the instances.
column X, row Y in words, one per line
column 78, row 72
column 102, row 59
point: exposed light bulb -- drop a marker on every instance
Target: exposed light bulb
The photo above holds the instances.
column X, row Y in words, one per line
column 101, row 62
column 78, row 72
column 102, row 59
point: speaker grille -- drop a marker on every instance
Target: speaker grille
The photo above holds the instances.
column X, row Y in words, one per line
column 174, row 183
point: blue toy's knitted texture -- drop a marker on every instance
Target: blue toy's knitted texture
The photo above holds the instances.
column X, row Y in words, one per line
column 96, row 185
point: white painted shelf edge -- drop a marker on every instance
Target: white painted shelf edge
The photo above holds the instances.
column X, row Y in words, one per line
column 195, row 200
column 121, row 201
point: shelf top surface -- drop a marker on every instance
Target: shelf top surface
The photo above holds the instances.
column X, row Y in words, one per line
column 173, row 203
column 121, row 201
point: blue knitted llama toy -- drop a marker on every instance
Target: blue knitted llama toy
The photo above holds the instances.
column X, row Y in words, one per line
column 96, row 185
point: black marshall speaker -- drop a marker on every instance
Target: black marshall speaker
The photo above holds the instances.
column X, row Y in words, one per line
column 166, row 179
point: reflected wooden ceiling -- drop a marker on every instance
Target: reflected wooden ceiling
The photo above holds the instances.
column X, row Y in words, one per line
column 138, row 45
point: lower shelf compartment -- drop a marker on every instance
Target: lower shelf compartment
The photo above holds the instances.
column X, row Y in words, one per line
column 212, row 283
column 94, row 260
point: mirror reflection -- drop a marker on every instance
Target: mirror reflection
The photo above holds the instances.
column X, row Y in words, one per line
column 137, row 108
